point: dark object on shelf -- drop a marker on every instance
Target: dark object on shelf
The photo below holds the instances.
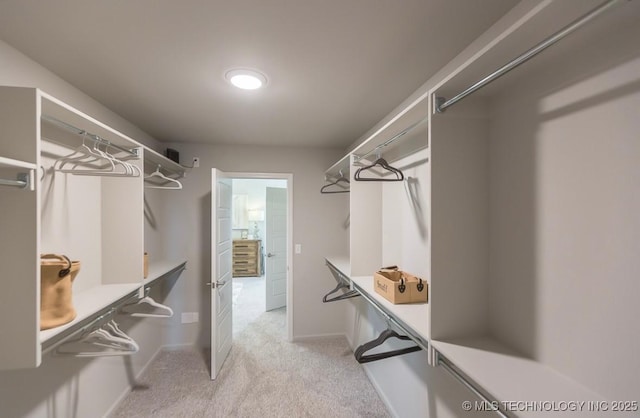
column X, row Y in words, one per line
column 173, row 155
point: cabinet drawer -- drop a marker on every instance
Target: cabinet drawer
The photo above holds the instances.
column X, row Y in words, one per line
column 245, row 246
column 244, row 253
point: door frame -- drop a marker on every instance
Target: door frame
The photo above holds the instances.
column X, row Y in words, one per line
column 289, row 178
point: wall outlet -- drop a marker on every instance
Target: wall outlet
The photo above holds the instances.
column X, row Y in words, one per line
column 298, row 248
column 189, row 317
column 196, row 162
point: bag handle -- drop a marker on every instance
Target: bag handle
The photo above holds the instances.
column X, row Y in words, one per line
column 64, row 271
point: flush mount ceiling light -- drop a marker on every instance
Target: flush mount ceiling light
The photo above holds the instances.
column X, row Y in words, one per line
column 246, row 79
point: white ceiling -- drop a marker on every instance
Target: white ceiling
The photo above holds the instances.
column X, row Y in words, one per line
column 335, row 68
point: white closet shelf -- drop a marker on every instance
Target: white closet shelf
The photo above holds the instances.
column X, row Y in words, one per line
column 11, row 163
column 343, row 165
column 60, row 112
column 506, row 375
column 342, row 264
column 158, row 269
column 402, row 135
column 412, row 316
column 153, row 159
column 88, row 302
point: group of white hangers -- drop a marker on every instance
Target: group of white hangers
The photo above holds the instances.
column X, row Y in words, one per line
column 94, row 161
column 165, row 183
column 109, row 339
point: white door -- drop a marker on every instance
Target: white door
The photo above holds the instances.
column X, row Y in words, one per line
column 276, row 248
column 221, row 283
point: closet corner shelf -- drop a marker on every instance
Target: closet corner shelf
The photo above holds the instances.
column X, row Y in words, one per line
column 94, row 300
column 343, row 165
column 155, row 159
column 11, row 163
column 159, row 269
column 413, row 317
column 492, row 366
column 340, row 263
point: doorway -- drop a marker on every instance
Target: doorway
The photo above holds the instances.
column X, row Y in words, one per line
column 275, row 256
column 259, row 260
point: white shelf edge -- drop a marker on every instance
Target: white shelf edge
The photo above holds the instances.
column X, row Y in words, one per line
column 123, row 140
column 89, row 302
column 11, row 163
column 491, row 366
column 417, row 110
column 342, row 263
column 341, row 164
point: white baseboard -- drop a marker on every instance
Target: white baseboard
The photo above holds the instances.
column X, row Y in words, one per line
column 350, row 341
column 177, row 347
column 304, row 338
column 384, row 398
column 127, row 390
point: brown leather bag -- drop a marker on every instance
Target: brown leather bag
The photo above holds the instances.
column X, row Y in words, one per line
column 57, row 274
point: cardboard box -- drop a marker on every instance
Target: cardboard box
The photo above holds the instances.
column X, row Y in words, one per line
column 398, row 286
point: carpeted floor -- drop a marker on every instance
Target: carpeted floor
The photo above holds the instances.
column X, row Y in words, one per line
column 264, row 376
column 248, row 301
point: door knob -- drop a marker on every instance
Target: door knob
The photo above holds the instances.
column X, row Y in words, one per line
column 219, row 283
column 270, row 255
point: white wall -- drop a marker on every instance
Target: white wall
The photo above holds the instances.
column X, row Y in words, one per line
column 564, row 213
column 317, row 225
column 16, row 69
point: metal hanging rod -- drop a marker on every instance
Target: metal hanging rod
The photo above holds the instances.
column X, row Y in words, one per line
column 440, row 103
column 389, row 141
column 419, row 341
column 337, row 274
column 46, row 347
column 88, row 135
column 22, row 181
column 444, row 363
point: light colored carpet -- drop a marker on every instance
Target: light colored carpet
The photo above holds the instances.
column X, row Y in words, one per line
column 264, row 376
column 248, row 300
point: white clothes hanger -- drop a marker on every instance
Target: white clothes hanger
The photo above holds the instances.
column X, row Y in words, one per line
column 113, row 328
column 176, row 185
column 88, row 155
column 148, row 308
column 79, row 154
column 99, row 343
